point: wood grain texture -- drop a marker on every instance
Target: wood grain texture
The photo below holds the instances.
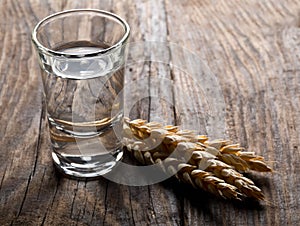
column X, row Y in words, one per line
column 253, row 49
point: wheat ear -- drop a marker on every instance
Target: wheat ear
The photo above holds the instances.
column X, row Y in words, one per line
column 212, row 166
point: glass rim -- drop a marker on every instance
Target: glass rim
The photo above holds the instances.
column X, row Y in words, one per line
column 119, row 43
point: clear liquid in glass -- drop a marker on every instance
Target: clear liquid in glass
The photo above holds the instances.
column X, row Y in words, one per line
column 85, row 110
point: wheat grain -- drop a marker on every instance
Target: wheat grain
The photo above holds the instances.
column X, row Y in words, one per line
column 212, row 165
column 235, row 155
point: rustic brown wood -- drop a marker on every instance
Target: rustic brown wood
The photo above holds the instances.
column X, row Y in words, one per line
column 252, row 48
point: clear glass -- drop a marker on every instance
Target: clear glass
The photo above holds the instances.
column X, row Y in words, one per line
column 82, row 55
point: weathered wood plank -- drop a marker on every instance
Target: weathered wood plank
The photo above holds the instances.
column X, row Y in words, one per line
column 243, row 45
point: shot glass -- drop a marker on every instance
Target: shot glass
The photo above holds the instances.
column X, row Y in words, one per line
column 82, row 55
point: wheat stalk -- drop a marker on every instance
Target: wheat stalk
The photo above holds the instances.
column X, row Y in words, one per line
column 212, row 165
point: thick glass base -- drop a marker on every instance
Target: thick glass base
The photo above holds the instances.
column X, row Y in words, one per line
column 87, row 167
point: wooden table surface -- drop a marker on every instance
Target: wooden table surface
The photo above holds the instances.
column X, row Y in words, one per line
column 253, row 49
